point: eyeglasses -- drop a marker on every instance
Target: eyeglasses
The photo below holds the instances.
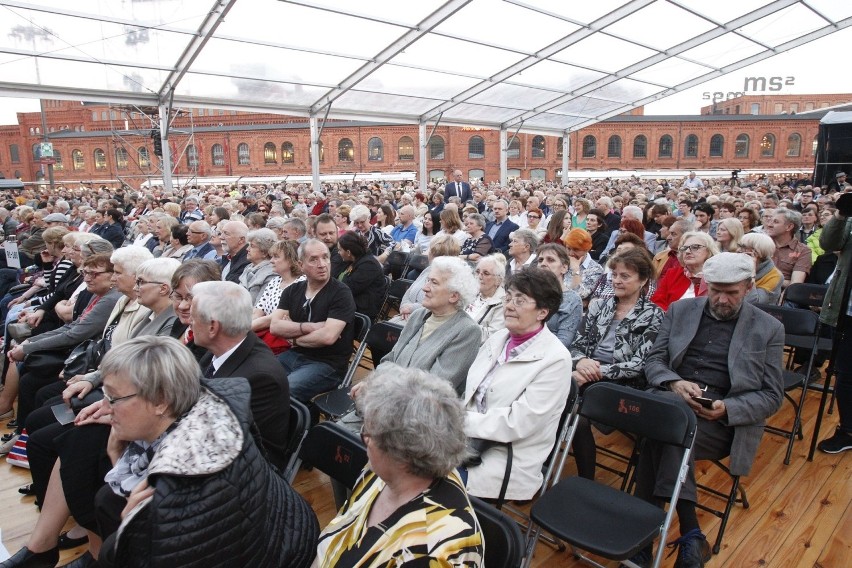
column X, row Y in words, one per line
column 691, row 248
column 198, row 232
column 140, row 282
column 113, row 401
column 746, row 251
column 533, row 217
column 483, row 273
column 518, row 300
column 175, row 297
column 94, row 273
column 364, row 435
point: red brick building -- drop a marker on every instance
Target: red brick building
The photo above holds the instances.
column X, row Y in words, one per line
column 97, row 142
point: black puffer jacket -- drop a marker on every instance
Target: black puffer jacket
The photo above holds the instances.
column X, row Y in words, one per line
column 217, row 501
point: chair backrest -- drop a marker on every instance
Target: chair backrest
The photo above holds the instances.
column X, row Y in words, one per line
column 362, row 328
column 398, row 262
column 299, row 423
column 398, row 288
column 418, row 262
column 564, row 434
column 796, row 321
column 335, row 451
column 811, row 295
column 504, row 543
column 643, row 413
column 381, row 339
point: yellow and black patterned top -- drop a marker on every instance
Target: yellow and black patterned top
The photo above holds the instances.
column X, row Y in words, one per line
column 436, row 529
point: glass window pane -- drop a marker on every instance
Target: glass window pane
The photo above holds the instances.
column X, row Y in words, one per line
column 375, row 149
column 717, row 146
column 406, row 148
column 288, row 154
column 538, row 147
column 767, row 146
column 121, row 158
column 345, row 150
column 640, row 147
column 666, row 146
column 741, row 146
column 270, row 153
column 590, row 146
column 243, row 157
column 100, row 159
column 690, row 146
column 613, row 147
column 436, row 148
column 77, row 159
column 218, row 152
column 514, row 150
column 476, row 148
column 143, row 157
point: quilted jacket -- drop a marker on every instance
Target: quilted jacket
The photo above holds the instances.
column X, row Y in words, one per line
column 217, row 502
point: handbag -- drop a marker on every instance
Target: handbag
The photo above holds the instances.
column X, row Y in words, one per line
column 45, row 363
column 19, row 330
column 84, row 358
column 277, row 344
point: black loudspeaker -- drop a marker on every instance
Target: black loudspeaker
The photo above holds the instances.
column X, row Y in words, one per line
column 834, row 151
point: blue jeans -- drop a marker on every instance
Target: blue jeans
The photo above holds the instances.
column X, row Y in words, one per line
column 307, row 377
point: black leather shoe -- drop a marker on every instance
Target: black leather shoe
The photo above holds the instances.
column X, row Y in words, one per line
column 644, row 558
column 28, row 490
column 692, row 550
column 24, row 558
column 84, row 561
column 13, row 424
column 66, row 542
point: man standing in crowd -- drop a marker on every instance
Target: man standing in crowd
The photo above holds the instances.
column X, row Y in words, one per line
column 839, row 182
column 693, row 182
column 316, row 316
column 791, row 257
column 221, row 321
column 234, row 251
column 457, row 188
column 500, row 229
column 724, row 349
column 198, row 235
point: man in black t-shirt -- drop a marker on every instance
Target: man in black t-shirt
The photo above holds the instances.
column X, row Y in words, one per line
column 316, row 316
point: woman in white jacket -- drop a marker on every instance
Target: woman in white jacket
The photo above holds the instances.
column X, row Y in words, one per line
column 517, row 388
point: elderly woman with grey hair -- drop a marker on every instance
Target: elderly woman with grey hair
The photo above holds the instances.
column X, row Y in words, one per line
column 486, row 309
column 409, row 505
column 260, row 271
column 441, row 337
column 767, row 278
column 184, row 451
column 479, row 244
column 522, row 245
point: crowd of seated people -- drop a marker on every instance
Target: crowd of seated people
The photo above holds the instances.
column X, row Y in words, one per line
column 523, row 287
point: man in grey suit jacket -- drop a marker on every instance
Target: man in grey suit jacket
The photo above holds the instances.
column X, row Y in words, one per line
column 718, row 348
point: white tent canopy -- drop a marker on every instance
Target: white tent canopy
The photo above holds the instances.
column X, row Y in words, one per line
column 545, row 66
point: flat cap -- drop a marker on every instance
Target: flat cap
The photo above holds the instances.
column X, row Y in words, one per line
column 56, row 218
column 840, row 175
column 728, row 268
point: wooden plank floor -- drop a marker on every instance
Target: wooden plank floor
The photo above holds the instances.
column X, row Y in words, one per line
column 800, row 515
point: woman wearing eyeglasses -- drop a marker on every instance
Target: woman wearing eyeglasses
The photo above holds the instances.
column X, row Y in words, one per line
column 486, row 309
column 534, row 223
column 517, row 388
column 767, row 278
column 695, row 248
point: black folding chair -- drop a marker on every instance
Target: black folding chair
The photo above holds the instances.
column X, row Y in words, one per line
column 798, row 323
column 504, row 544
column 398, row 264
column 736, row 495
column 380, row 340
column 335, row 451
column 393, row 296
column 418, row 262
column 299, row 423
column 598, row 518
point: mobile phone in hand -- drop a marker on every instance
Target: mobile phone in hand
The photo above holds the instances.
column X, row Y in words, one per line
column 703, row 401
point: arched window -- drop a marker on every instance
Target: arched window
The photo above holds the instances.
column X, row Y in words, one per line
column 36, row 151
column 514, row 150
column 345, row 150
column 590, row 146
column 640, row 146
column 192, row 156
column 57, row 165
column 375, row 149
column 288, row 153
column 14, row 153
column 690, row 146
column 121, row 158
column 77, row 159
column 613, row 146
column 100, row 159
column 538, row 174
column 717, row 146
column 143, row 157
column 794, row 145
column 218, row 154
column 666, row 146
column 767, row 146
column 436, row 175
column 741, row 146
column 538, row 148
column 243, row 156
column 406, row 148
column 270, row 153
column 436, row 148
column 476, row 148
column 814, row 146
column 476, row 174
column 559, row 152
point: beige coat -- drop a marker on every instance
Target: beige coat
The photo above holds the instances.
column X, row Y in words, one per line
column 524, row 402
